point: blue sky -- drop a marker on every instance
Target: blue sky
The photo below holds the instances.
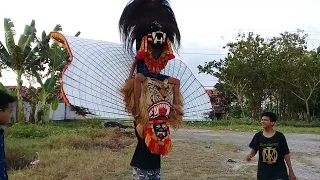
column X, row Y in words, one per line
column 205, row 25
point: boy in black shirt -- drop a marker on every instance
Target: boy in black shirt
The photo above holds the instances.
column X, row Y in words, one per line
column 273, row 151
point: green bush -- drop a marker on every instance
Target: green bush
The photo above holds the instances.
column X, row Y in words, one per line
column 299, row 123
column 54, row 128
column 247, row 121
column 29, row 131
column 224, row 122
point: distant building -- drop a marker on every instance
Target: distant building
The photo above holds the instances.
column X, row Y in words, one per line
column 63, row 112
column 212, row 92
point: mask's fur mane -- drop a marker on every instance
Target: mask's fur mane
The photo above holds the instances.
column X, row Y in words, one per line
column 175, row 120
column 137, row 16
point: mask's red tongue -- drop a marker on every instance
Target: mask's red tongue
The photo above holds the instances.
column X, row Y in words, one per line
column 161, row 135
column 162, row 111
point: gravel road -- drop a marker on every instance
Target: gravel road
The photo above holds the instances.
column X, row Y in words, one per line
column 305, row 148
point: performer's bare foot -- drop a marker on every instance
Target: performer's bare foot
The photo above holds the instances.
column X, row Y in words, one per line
column 176, row 108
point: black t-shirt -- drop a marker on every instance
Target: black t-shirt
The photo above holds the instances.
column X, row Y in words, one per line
column 143, row 158
column 271, row 165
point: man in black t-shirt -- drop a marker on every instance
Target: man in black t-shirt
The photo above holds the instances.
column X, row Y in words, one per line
column 273, row 151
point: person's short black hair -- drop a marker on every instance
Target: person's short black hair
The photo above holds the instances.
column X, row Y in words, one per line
column 271, row 115
column 5, row 99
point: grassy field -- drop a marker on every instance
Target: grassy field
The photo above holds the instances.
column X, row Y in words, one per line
column 87, row 150
column 83, row 150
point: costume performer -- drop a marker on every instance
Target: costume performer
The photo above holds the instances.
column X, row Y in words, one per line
column 154, row 99
column 98, row 69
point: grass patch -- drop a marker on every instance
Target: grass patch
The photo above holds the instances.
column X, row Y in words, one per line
column 74, row 164
column 88, row 150
column 114, row 139
column 19, row 158
column 303, row 127
column 74, row 150
column 200, row 160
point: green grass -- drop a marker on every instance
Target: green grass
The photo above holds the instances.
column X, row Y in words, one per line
column 293, row 126
column 85, row 149
column 67, row 150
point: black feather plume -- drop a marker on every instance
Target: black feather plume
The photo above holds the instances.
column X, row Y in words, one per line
column 137, row 16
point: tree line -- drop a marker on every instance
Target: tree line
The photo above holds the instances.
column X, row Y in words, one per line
column 279, row 74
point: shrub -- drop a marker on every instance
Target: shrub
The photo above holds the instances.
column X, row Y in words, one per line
column 29, row 131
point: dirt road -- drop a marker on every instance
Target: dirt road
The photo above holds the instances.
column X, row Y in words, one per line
column 305, row 148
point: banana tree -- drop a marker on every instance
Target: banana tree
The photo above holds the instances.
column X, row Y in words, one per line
column 58, row 58
column 42, row 101
column 29, row 55
column 16, row 55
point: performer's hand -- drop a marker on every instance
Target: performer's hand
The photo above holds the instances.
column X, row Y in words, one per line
column 249, row 157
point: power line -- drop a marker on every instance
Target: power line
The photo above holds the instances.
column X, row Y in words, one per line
column 280, row 31
column 213, row 48
column 209, row 80
column 272, row 32
column 210, row 54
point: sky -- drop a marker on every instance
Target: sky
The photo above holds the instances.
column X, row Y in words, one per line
column 205, row 25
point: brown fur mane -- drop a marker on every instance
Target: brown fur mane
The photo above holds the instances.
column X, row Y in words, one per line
column 127, row 91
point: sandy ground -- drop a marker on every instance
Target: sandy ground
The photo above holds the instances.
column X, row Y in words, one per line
column 305, row 148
